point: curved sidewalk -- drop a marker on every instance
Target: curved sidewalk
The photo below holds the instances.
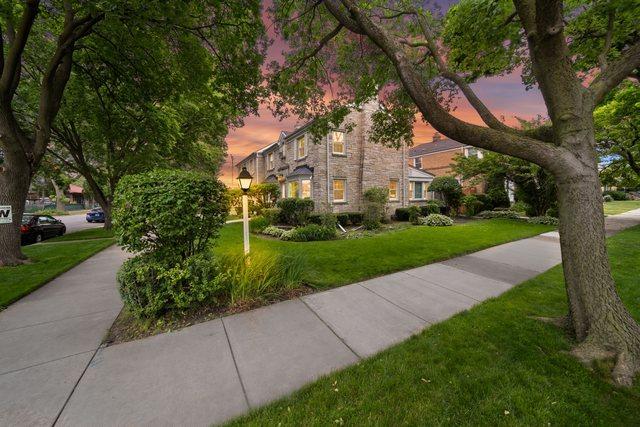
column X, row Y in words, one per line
column 213, row 371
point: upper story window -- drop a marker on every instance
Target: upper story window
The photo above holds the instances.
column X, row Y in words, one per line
column 270, row 161
column 393, row 189
column 301, row 147
column 337, row 143
column 417, row 162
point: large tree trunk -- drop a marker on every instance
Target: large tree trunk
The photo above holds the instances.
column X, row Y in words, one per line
column 601, row 323
column 14, row 187
column 59, row 196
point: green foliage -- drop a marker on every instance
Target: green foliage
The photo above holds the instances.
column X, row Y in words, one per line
column 350, row 218
column 295, row 211
column 52, row 212
column 436, row 220
column 607, row 198
column 310, row 233
column 260, row 275
column 552, row 211
column 506, row 214
column 414, row 214
column 546, row 220
column 401, row 214
column 472, row 205
column 261, row 197
column 450, row 189
column 375, row 207
column 272, row 215
column 258, row 223
column 169, row 212
column 273, row 231
column 429, row 208
column 149, row 286
column 616, row 195
column 521, row 207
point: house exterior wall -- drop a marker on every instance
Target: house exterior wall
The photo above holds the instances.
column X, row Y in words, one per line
column 364, row 164
column 439, row 164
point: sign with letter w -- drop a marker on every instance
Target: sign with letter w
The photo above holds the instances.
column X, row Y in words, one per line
column 5, row 215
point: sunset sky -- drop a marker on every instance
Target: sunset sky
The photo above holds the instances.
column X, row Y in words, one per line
column 505, row 96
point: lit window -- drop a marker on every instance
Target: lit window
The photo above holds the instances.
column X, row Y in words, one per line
column 339, row 186
column 301, row 147
column 417, row 162
column 270, row 161
column 393, row 189
column 305, row 187
column 293, row 189
column 337, row 142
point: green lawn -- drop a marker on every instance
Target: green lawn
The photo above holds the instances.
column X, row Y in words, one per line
column 620, row 206
column 49, row 260
column 338, row 262
column 492, row 365
column 90, row 233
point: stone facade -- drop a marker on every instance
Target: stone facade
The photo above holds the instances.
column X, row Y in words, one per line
column 360, row 166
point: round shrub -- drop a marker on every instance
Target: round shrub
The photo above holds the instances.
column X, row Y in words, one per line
column 450, row 189
column 309, row 233
column 521, row 207
column 429, row 208
column 546, row 220
column 402, row 214
column 414, row 214
column 506, row 214
column 472, row 205
column 173, row 213
column 617, row 195
column 272, row 215
column 607, row 198
column 375, row 207
column 552, row 211
column 150, row 287
column 295, row 211
column 436, row 220
column 273, row 231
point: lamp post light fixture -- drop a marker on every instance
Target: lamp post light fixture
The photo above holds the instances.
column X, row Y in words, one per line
column 244, row 179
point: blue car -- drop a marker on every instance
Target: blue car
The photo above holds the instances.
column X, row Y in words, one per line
column 95, row 215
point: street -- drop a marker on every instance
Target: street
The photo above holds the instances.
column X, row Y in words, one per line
column 77, row 222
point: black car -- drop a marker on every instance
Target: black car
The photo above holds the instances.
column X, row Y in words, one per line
column 36, row 228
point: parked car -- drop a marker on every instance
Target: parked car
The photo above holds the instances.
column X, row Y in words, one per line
column 95, row 215
column 36, row 228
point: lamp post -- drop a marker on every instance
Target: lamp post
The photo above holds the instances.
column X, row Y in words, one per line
column 244, row 179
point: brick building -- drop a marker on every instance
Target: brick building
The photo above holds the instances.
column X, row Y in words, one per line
column 336, row 170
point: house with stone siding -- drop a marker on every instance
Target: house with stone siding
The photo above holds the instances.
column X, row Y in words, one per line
column 336, row 170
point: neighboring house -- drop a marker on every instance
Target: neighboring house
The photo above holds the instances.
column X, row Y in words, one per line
column 335, row 171
column 437, row 156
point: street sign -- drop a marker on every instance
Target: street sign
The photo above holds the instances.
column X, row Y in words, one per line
column 5, row 215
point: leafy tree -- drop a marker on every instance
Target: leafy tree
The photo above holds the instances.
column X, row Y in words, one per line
column 47, row 44
column 575, row 53
column 533, row 185
column 261, row 196
column 450, row 189
column 618, row 135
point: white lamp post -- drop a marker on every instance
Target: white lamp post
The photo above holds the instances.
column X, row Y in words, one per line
column 245, row 179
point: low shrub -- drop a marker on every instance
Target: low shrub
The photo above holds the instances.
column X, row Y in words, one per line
column 356, row 218
column 272, row 215
column 546, row 220
column 150, row 287
column 309, row 233
column 552, row 211
column 429, row 208
column 295, row 211
column 414, row 214
column 401, row 214
column 258, row 223
column 472, row 205
column 265, row 275
column 375, row 207
column 324, row 219
column 273, row 231
column 507, row 214
column 607, row 198
column 51, row 212
column 616, row 195
column 435, row 220
column 521, row 207
column 449, row 188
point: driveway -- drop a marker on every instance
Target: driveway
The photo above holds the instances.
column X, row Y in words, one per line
column 77, row 222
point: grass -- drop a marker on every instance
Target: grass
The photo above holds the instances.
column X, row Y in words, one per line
column 49, row 260
column 339, row 262
column 620, row 206
column 88, row 234
column 491, row 365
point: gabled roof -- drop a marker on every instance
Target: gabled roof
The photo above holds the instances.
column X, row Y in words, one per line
column 434, row 147
column 415, row 173
column 301, row 171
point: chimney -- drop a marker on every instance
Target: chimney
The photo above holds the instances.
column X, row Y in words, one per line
column 436, row 137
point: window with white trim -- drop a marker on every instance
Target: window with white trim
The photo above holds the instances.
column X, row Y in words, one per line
column 339, row 190
column 305, row 188
column 301, row 148
column 393, row 189
column 417, row 162
column 270, row 161
column 338, row 145
column 417, row 190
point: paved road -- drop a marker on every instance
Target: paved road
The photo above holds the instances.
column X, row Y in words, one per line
column 53, row 372
column 77, row 222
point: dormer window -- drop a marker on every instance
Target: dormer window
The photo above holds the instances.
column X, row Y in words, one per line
column 417, row 162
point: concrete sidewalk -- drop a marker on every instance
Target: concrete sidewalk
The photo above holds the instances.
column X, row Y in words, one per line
column 213, row 371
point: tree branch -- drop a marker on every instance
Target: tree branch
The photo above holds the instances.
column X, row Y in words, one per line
column 602, row 58
column 615, row 73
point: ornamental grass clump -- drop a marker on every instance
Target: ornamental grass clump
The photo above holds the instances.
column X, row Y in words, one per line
column 436, row 220
column 168, row 217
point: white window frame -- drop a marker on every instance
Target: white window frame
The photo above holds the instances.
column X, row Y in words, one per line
column 301, row 187
column 397, row 182
column 270, row 160
column 344, row 190
column 302, row 139
column 412, row 190
column 417, row 160
column 344, row 143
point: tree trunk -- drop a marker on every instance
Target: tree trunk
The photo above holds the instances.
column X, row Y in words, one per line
column 601, row 323
column 14, row 187
column 59, row 196
column 107, row 215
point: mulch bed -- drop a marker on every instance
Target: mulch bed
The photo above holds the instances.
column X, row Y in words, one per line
column 127, row 328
